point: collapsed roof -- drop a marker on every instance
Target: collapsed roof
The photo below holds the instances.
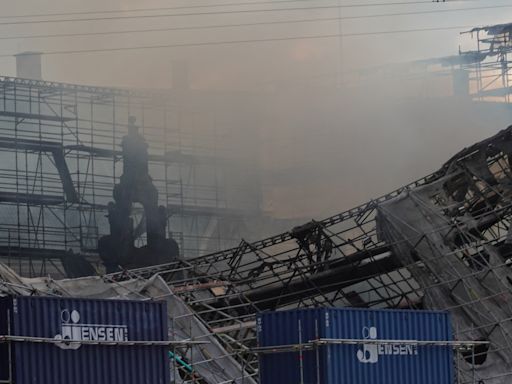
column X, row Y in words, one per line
column 442, row 242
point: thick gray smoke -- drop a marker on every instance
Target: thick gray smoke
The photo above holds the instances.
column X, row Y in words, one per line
column 320, row 148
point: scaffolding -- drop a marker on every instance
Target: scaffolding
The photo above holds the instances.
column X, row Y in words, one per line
column 480, row 73
column 467, row 348
column 61, row 157
column 196, row 353
column 442, row 242
column 484, row 71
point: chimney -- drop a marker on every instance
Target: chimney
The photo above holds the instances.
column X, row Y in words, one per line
column 28, row 65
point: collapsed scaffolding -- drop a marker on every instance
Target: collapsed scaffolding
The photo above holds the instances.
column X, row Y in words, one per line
column 442, row 242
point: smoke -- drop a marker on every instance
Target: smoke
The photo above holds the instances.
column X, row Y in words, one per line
column 337, row 151
column 318, row 148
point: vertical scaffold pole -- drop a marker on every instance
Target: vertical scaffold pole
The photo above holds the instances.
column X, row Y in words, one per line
column 473, row 363
column 301, row 362
column 9, row 345
column 317, row 337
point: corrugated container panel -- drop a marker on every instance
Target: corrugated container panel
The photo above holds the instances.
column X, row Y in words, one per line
column 84, row 319
column 282, row 328
column 356, row 364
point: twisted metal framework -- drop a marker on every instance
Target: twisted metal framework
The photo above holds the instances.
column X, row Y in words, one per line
column 442, row 242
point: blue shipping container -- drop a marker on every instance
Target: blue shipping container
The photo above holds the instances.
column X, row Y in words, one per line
column 361, row 363
column 83, row 319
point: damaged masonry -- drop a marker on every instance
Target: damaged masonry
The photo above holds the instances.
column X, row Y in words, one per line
column 442, row 242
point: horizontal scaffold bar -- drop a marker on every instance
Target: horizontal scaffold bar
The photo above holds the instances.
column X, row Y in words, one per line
column 322, row 342
column 28, row 339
